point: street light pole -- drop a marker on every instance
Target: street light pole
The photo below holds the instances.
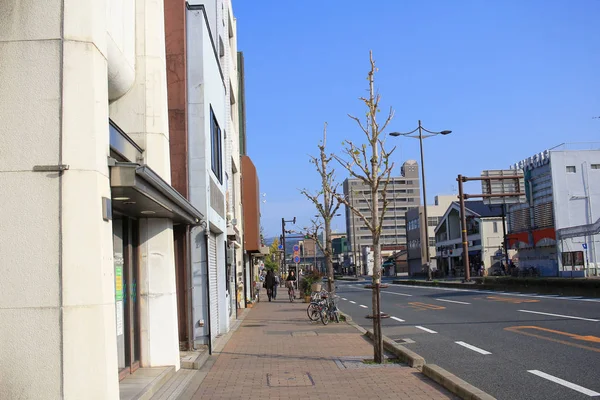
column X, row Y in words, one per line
column 427, row 255
column 420, row 129
column 283, row 221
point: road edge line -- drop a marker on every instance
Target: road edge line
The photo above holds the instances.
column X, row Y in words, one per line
column 447, row 380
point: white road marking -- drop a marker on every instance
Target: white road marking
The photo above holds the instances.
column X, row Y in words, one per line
column 397, row 319
column 425, row 329
column 343, row 298
column 564, row 383
column 388, row 292
column 452, row 301
column 363, row 306
column 471, row 347
column 573, row 298
column 407, row 340
column 559, row 315
column 353, row 302
column 398, row 294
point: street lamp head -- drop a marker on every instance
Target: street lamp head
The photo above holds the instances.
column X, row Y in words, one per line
column 394, row 134
column 446, row 132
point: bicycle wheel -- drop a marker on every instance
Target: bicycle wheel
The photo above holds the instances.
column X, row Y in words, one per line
column 313, row 312
column 337, row 316
column 324, row 316
column 291, row 294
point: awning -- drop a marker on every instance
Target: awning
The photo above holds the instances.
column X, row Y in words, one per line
column 138, row 191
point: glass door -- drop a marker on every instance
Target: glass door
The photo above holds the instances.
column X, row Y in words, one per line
column 126, row 261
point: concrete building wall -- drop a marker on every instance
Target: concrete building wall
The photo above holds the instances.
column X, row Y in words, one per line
column 57, row 295
column 576, row 199
column 143, row 113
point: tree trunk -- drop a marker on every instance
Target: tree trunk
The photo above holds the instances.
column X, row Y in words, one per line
column 328, row 253
column 377, row 334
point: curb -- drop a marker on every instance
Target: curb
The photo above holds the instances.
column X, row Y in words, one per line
column 454, row 384
column 404, row 354
column 449, row 381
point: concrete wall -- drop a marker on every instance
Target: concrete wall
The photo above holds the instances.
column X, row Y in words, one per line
column 57, row 293
column 143, row 114
column 576, row 199
column 206, row 91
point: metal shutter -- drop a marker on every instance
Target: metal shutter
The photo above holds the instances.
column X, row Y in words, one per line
column 212, row 282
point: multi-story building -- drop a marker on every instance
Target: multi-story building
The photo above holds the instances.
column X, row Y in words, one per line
column 415, row 236
column 556, row 229
column 109, row 286
column 86, row 234
column 484, row 234
column 203, row 94
column 402, row 193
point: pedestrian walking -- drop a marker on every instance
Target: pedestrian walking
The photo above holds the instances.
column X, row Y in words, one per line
column 270, row 283
column 275, row 286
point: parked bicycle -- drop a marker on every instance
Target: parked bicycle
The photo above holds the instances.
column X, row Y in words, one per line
column 323, row 306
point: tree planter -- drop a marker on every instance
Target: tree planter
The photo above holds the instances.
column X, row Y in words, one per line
column 307, row 298
column 381, row 286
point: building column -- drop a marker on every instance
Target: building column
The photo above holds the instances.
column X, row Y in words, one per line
column 143, row 114
column 57, row 336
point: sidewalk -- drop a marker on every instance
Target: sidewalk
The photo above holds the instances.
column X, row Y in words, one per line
column 277, row 353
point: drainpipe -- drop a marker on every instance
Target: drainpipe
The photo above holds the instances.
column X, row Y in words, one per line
column 208, row 319
column 189, row 287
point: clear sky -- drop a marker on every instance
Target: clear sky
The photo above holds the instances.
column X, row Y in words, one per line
column 510, row 78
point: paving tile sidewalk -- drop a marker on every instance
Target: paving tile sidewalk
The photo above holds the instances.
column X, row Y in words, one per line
column 277, row 353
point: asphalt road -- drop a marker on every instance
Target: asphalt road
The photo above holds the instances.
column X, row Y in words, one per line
column 506, row 344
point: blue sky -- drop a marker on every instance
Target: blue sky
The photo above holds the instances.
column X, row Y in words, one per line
column 510, row 78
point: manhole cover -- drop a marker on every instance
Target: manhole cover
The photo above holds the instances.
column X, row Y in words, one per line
column 290, row 379
column 305, row 333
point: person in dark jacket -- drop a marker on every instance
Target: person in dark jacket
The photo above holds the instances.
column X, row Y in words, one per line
column 270, row 282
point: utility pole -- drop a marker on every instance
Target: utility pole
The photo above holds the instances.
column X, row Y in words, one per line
column 515, row 193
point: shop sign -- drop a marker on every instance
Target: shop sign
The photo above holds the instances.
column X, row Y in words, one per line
column 118, row 281
column 119, row 318
column 533, row 162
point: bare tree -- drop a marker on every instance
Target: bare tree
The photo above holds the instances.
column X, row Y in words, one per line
column 326, row 203
column 370, row 163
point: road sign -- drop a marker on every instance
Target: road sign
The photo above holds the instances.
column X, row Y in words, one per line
column 280, row 247
column 296, row 259
column 584, row 245
column 296, row 248
column 499, row 186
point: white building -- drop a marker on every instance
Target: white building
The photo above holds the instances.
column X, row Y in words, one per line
column 484, row 233
column 86, row 229
column 417, row 257
column 556, row 230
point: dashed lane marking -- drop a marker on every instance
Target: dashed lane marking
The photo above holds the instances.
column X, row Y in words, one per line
column 564, row 383
column 471, row 347
column 453, row 301
column 425, row 329
column 397, row 319
column 559, row 315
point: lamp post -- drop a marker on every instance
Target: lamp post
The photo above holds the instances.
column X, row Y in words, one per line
column 420, row 136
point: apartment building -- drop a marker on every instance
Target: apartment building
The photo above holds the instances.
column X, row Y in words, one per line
column 416, row 236
column 402, row 193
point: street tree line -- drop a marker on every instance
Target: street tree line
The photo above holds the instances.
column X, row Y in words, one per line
column 370, row 163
